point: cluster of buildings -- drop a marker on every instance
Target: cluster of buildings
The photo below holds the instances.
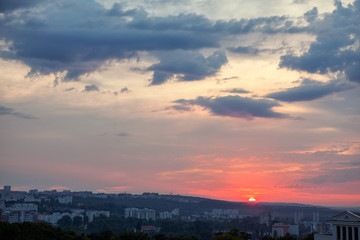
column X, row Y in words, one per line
column 20, row 206
column 281, row 230
column 19, row 212
column 85, row 215
column 150, row 214
column 344, row 226
column 225, row 213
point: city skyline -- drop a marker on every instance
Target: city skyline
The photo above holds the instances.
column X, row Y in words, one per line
column 225, row 100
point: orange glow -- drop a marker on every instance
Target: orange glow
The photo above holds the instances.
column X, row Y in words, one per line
column 252, row 199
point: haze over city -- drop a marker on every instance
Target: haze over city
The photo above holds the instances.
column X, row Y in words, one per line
column 231, row 100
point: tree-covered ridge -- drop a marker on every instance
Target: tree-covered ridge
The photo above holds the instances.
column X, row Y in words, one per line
column 43, row 231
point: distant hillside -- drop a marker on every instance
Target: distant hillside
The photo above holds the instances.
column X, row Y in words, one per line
column 197, row 205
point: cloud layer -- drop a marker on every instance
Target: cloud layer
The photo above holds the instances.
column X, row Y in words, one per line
column 10, row 111
column 234, row 106
column 188, row 66
column 66, row 37
column 336, row 48
column 310, row 90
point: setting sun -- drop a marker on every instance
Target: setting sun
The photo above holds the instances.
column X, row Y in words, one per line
column 252, row 199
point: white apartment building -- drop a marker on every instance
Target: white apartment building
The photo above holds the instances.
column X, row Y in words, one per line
column 140, row 213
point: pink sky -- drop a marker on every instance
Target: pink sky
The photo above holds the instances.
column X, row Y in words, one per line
column 227, row 101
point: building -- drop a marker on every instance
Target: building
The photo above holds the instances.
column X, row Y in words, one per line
column 165, row 215
column 224, row 213
column 7, row 189
column 91, row 214
column 150, row 229
column 298, row 217
column 346, row 226
column 280, row 230
column 65, row 199
column 265, row 218
column 140, row 213
column 169, row 215
column 316, row 217
column 20, row 212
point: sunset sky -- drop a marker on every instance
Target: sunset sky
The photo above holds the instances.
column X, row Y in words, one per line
column 221, row 99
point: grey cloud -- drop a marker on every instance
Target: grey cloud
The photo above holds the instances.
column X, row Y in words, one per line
column 235, row 106
column 66, row 37
column 244, row 50
column 10, row 5
column 69, row 89
column 182, row 108
column 124, row 89
column 335, row 46
column 310, row 90
column 200, row 24
column 188, row 66
column 10, row 111
column 336, row 176
column 299, row 1
column 311, row 15
column 91, row 88
column 236, row 90
column 122, row 134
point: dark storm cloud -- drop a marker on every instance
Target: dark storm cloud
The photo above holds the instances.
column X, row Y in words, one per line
column 336, row 46
column 234, row 106
column 10, row 5
column 310, row 90
column 10, row 111
column 67, row 37
column 91, row 88
column 189, row 66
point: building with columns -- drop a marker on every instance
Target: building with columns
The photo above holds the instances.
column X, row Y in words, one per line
column 346, row 226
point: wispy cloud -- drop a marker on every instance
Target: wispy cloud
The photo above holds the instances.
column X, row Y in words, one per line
column 12, row 112
column 91, row 88
column 311, row 90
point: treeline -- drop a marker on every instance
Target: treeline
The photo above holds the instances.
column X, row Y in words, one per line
column 44, row 231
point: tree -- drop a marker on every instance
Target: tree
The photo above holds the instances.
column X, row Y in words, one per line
column 77, row 221
column 65, row 222
column 309, row 237
column 233, row 234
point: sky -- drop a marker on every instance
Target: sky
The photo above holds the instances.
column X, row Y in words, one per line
column 221, row 99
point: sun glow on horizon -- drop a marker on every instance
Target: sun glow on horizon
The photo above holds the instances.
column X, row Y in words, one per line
column 252, row 199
